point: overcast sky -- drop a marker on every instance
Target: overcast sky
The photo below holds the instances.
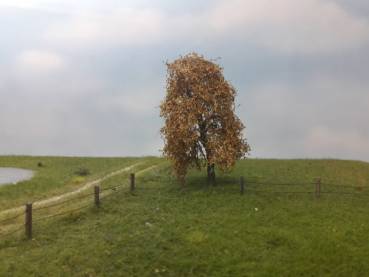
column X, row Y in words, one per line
column 86, row 77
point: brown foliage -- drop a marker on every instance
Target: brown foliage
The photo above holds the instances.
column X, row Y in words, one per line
column 200, row 124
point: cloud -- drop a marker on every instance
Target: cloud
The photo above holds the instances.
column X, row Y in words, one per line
column 357, row 7
column 88, row 77
column 287, row 26
column 284, row 119
column 125, row 26
column 26, row 4
column 143, row 101
column 324, row 141
column 37, row 61
column 305, row 26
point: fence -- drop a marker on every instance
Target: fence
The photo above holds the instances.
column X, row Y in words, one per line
column 94, row 199
column 29, row 209
column 316, row 187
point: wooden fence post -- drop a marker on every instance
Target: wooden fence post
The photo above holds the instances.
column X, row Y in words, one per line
column 317, row 187
column 242, row 185
column 28, row 221
column 132, row 187
column 97, row 196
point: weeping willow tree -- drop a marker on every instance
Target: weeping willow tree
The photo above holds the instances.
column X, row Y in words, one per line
column 201, row 128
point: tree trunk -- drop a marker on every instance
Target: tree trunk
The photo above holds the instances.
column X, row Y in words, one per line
column 211, row 174
column 208, row 172
column 182, row 182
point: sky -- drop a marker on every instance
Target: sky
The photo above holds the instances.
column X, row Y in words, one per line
column 86, row 78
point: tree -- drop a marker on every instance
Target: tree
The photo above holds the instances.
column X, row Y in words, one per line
column 201, row 128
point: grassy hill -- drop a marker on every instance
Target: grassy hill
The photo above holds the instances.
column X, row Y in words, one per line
column 277, row 228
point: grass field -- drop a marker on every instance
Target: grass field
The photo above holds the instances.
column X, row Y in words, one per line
column 166, row 230
column 57, row 175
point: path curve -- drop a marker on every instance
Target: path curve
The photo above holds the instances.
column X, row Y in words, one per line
column 86, row 186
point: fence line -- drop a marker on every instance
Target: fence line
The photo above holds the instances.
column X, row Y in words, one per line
column 29, row 210
column 113, row 187
column 309, row 192
column 62, row 213
column 11, row 218
column 266, row 182
column 12, row 232
column 318, row 188
column 287, row 192
column 63, row 202
column 100, row 193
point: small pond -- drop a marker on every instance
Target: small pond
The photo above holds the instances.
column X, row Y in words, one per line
column 9, row 175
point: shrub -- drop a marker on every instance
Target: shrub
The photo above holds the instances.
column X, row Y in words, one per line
column 82, row 171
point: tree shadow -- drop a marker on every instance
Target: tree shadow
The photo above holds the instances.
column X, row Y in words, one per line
column 200, row 183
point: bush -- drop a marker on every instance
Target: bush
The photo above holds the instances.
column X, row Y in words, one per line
column 82, row 171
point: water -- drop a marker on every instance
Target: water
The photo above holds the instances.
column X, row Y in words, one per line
column 9, row 175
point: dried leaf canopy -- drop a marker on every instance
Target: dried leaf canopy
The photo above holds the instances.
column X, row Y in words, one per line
column 200, row 123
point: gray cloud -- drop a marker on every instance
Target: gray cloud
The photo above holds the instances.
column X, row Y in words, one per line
column 357, row 7
column 89, row 80
column 323, row 118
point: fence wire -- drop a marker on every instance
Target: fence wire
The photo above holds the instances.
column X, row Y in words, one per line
column 62, row 213
column 2, row 236
column 63, row 202
column 276, row 183
column 250, row 186
column 113, row 187
column 11, row 218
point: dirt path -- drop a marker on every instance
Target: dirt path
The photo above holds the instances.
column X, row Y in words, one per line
column 86, row 186
column 138, row 173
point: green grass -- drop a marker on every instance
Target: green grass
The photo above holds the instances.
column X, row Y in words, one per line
column 165, row 230
column 57, row 175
